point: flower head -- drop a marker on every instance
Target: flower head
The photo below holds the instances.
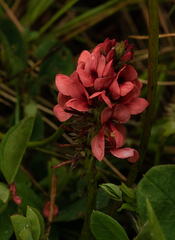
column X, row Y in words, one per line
column 106, row 88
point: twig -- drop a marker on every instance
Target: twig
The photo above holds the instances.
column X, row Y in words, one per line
column 12, row 16
column 147, row 37
column 29, row 69
column 52, row 204
column 121, row 176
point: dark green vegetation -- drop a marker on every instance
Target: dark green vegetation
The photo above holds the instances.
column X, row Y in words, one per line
column 39, row 39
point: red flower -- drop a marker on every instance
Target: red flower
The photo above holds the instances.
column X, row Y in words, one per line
column 46, row 210
column 107, row 88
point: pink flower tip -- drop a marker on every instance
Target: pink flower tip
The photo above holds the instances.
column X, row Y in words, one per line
column 46, row 210
column 14, row 196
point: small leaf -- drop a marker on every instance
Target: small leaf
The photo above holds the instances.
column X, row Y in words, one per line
column 26, row 235
column 41, row 221
column 155, row 229
column 35, row 224
column 128, row 206
column 20, row 223
column 112, row 190
column 129, row 194
column 104, row 227
column 4, row 197
column 13, row 147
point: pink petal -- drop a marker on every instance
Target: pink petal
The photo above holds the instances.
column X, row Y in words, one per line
column 101, row 66
column 110, row 55
column 98, row 146
column 77, row 90
column 85, row 79
column 106, row 99
column 74, row 76
column 84, row 56
column 125, row 88
column 117, row 136
column 77, row 104
column 62, row 99
column 121, row 113
column 129, row 153
column 62, row 81
column 129, row 73
column 103, row 96
column 137, row 105
column 106, row 115
column 109, row 69
column 98, row 48
column 114, row 87
column 81, row 65
column 61, row 114
column 91, row 65
column 102, row 83
column 106, row 45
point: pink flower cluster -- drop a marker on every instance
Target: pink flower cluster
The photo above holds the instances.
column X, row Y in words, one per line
column 106, row 87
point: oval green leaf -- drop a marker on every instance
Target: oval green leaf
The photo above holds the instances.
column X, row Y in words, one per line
column 105, row 227
column 13, row 147
column 20, row 224
column 41, row 221
column 35, row 224
column 158, row 186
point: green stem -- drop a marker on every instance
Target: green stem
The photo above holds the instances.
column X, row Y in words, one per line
column 48, row 140
column 152, row 87
column 91, row 184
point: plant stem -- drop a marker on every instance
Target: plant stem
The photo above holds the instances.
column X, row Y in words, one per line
column 48, row 140
column 152, row 87
column 91, row 184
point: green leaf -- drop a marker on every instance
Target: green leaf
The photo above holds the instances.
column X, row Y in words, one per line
column 13, row 147
column 6, row 228
column 4, row 197
column 129, row 194
column 155, row 229
column 20, row 223
column 112, row 190
column 128, row 206
column 158, row 185
column 26, row 235
column 13, row 52
column 41, row 221
column 35, row 224
column 104, row 227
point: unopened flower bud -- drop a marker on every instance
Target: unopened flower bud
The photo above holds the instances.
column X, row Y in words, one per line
column 14, row 196
column 119, row 49
column 46, row 210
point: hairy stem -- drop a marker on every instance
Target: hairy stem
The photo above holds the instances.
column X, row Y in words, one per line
column 152, row 87
column 91, row 184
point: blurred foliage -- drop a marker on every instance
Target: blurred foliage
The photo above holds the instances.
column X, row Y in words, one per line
column 40, row 39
